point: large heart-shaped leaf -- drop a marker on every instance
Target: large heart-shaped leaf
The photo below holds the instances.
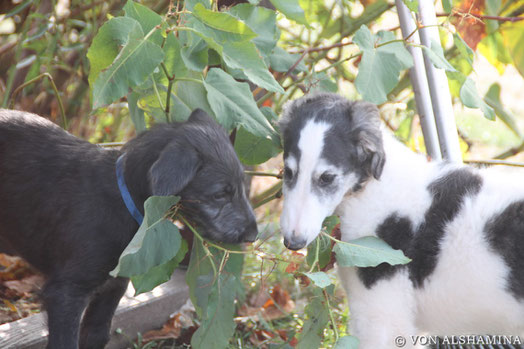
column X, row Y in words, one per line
column 136, row 61
column 379, row 69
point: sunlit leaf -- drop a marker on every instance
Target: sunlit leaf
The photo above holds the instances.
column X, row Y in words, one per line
column 379, row 69
column 223, row 21
column 411, row 4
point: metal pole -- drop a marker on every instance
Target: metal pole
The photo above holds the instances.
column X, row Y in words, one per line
column 438, row 87
column 419, row 81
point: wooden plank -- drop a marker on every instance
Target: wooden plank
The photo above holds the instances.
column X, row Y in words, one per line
column 134, row 314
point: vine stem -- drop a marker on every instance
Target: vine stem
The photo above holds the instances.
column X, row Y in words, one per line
column 481, row 17
column 331, row 317
column 32, row 81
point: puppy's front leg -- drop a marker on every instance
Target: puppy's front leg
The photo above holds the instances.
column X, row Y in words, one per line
column 96, row 324
column 382, row 315
column 64, row 302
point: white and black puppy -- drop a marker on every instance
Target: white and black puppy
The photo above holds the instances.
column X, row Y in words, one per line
column 62, row 210
column 463, row 228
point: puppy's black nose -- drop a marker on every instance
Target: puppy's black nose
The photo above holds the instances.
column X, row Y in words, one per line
column 294, row 244
column 250, row 233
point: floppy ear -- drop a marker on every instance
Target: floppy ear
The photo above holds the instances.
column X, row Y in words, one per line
column 368, row 137
column 200, row 116
column 174, row 169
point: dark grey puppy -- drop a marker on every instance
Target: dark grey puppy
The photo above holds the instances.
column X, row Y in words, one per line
column 61, row 209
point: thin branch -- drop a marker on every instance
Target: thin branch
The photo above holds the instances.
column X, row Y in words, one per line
column 32, row 81
column 495, row 162
column 481, row 17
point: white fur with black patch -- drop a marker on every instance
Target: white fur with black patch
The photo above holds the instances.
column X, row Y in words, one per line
column 464, row 288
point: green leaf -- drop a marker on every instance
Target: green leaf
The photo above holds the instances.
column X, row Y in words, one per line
column 246, row 57
column 223, row 21
column 193, row 95
column 173, row 61
column 379, row 69
column 492, row 98
column 397, row 48
column 321, row 82
column 319, row 278
column 263, row 21
column 436, row 56
column 492, row 47
column 233, row 104
column 281, row 61
column 463, row 48
column 292, row 10
column 190, row 4
column 347, row 342
column 323, row 244
column 253, row 150
column 313, row 329
column 159, row 274
column 447, row 5
column 194, row 51
column 368, row 251
column 238, row 54
column 513, row 34
column 364, row 38
column 470, row 97
column 156, row 242
column 213, row 294
column 106, row 43
column 135, row 62
column 147, row 18
column 136, row 114
column 412, row 5
column 218, row 325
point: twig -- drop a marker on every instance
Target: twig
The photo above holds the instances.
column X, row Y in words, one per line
column 32, row 81
column 495, row 162
column 481, row 17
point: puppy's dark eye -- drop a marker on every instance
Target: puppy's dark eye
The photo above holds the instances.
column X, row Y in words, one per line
column 223, row 194
column 288, row 173
column 220, row 195
column 326, row 178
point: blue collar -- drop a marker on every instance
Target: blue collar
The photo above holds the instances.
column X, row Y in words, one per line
column 124, row 192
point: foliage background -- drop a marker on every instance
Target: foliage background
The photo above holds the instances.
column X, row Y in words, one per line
column 304, row 47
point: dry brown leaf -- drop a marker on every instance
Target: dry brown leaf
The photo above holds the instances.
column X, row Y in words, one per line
column 26, row 285
column 471, row 29
column 171, row 330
